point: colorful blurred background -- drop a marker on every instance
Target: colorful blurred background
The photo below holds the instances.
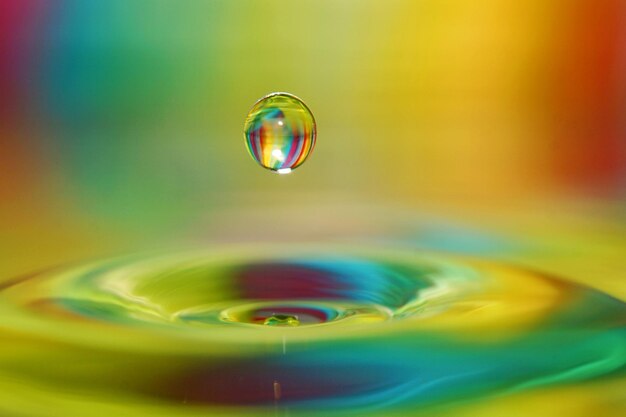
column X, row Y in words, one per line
column 488, row 128
column 495, row 128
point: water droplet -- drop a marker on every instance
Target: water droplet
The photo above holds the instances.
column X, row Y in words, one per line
column 280, row 132
column 282, row 320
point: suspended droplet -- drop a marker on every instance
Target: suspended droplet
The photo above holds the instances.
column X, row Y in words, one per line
column 282, row 320
column 280, row 132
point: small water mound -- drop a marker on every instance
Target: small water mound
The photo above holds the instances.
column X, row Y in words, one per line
column 305, row 312
column 281, row 320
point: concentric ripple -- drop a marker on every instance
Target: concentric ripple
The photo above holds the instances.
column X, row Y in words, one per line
column 367, row 331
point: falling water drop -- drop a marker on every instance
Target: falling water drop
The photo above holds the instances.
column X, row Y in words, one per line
column 280, row 132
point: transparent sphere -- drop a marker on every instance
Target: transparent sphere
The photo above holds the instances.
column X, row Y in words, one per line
column 280, row 132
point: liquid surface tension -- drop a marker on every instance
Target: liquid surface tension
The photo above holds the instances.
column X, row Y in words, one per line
column 298, row 331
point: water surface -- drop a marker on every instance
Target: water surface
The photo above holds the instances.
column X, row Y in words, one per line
column 376, row 332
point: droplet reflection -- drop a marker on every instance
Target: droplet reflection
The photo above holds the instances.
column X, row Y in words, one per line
column 280, row 132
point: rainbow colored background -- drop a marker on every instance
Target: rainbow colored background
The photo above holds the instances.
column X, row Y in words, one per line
column 488, row 128
column 441, row 123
